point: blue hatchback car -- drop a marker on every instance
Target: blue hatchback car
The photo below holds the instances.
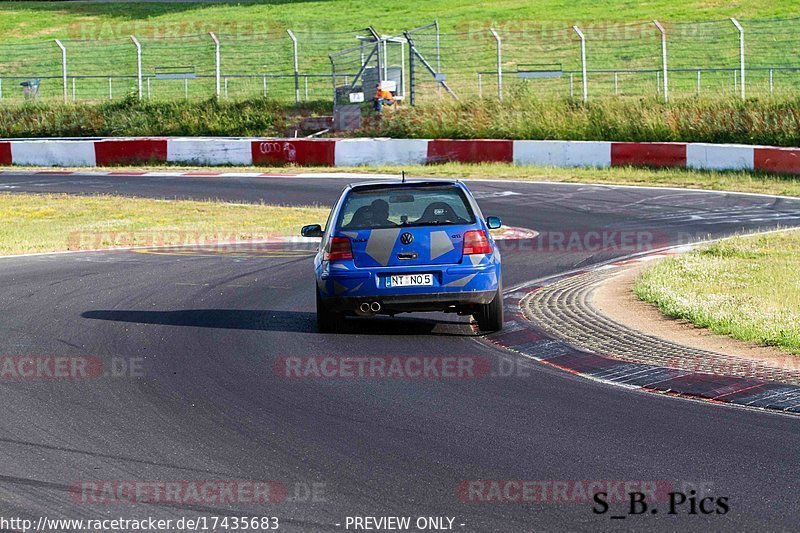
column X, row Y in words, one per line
column 395, row 247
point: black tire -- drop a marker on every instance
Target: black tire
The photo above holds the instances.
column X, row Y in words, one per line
column 490, row 316
column 327, row 321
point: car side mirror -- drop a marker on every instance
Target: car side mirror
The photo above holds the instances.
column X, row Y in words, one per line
column 312, row 230
column 493, row 222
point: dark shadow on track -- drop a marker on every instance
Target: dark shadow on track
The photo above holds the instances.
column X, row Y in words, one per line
column 287, row 321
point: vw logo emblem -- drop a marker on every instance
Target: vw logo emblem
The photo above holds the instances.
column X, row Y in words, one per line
column 406, row 238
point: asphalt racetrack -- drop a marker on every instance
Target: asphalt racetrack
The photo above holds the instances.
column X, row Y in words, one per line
column 209, row 330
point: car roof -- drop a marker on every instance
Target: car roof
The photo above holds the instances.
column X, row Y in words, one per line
column 401, row 184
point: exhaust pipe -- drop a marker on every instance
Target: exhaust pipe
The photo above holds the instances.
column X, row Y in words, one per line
column 368, row 309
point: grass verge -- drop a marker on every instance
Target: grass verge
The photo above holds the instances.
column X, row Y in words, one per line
column 767, row 121
column 60, row 222
column 745, row 287
column 748, row 182
column 129, row 117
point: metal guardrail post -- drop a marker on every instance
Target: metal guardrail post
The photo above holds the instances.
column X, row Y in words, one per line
column 583, row 63
column 296, row 69
column 663, row 57
column 499, row 64
column 63, row 68
column 741, row 52
column 138, row 64
column 217, row 59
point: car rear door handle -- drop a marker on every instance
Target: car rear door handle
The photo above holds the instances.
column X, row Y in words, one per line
column 407, row 255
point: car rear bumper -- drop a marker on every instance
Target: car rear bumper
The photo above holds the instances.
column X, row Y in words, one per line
column 400, row 303
column 457, row 287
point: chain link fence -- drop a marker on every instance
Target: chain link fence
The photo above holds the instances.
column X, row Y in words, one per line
column 725, row 57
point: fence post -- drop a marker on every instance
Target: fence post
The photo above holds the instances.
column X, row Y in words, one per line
column 438, row 53
column 63, row 68
column 138, row 64
column 698, row 82
column 741, row 52
column 499, row 64
column 296, row 70
column 412, row 78
column 216, row 58
column 333, row 82
column 663, row 57
column 583, row 63
column 378, row 42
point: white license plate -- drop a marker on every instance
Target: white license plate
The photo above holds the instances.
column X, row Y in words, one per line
column 410, row 280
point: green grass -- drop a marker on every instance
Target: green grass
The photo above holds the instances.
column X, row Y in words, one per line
column 770, row 121
column 767, row 121
column 60, row 222
column 129, row 117
column 745, row 287
column 620, row 35
column 37, row 20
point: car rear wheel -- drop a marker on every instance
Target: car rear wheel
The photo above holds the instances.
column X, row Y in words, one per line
column 490, row 316
column 328, row 321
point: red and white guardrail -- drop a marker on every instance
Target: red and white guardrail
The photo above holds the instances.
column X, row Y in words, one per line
column 354, row 152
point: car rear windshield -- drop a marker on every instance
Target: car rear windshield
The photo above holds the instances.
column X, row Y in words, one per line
column 405, row 207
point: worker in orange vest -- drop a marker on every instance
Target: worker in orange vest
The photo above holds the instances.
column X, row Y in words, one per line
column 382, row 98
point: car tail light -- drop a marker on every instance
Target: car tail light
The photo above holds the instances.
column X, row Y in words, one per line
column 339, row 249
column 476, row 242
